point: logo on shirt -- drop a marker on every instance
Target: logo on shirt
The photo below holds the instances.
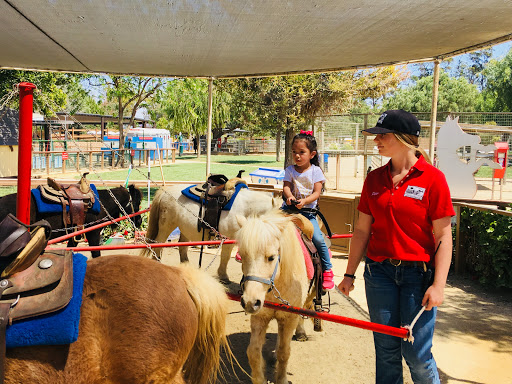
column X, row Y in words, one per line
column 375, row 193
column 414, row 192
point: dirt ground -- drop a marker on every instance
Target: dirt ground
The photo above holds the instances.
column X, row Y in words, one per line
column 472, row 342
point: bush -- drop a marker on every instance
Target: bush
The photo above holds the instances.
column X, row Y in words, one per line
column 486, row 241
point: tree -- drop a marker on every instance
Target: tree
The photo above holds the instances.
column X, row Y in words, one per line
column 474, row 68
column 455, row 94
column 184, row 107
column 51, row 95
column 497, row 93
column 273, row 105
column 128, row 93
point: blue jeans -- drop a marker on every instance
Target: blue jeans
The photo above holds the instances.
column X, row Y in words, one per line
column 319, row 242
column 394, row 297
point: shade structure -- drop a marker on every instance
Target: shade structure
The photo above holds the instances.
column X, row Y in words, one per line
column 235, row 38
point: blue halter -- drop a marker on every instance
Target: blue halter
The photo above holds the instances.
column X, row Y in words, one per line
column 269, row 282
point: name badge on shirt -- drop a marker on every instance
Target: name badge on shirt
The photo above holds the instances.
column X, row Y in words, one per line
column 414, row 192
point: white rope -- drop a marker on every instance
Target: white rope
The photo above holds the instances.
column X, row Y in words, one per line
column 410, row 338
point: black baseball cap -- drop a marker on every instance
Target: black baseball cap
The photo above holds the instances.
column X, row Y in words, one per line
column 395, row 120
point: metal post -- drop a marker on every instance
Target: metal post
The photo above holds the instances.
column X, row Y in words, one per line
column 25, row 151
column 433, row 115
column 209, row 130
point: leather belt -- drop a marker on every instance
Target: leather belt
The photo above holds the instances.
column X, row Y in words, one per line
column 405, row 263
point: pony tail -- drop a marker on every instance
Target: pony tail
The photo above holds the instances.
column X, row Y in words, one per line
column 411, row 143
column 203, row 362
column 153, row 227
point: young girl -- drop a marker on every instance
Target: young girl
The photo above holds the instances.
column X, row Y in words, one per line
column 303, row 183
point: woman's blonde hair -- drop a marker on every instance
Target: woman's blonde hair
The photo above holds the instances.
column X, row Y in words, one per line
column 412, row 142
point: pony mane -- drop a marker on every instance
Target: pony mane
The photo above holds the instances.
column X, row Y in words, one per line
column 259, row 231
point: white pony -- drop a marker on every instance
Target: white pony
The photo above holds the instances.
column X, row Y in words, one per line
column 274, row 270
column 460, row 174
column 171, row 209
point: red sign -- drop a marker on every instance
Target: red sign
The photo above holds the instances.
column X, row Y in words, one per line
column 133, row 152
column 501, row 157
column 65, row 156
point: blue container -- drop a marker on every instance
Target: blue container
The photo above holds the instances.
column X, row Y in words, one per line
column 267, row 176
column 326, row 162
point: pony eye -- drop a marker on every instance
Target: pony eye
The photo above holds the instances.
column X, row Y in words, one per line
column 271, row 258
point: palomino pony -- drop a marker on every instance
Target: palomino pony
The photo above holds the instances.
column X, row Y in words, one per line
column 274, row 270
column 129, row 199
column 141, row 322
column 170, row 209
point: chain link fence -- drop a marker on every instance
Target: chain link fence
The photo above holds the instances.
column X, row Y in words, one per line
column 347, row 155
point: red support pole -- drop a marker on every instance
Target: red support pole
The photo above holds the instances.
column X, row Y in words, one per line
column 375, row 327
column 25, row 151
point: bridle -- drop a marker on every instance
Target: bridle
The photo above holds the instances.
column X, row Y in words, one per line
column 270, row 282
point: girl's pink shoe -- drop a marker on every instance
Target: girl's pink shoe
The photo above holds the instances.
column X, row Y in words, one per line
column 238, row 257
column 328, row 277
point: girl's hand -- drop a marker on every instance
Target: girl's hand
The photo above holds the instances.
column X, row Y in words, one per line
column 290, row 199
column 300, row 204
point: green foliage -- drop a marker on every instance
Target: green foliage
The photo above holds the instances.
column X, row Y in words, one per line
column 125, row 228
column 498, row 91
column 487, row 245
column 455, row 94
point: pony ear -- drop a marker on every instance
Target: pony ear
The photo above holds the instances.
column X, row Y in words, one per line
column 241, row 220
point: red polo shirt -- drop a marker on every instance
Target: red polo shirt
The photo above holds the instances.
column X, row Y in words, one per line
column 403, row 215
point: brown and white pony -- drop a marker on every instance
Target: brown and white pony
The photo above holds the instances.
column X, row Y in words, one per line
column 273, row 267
column 141, row 322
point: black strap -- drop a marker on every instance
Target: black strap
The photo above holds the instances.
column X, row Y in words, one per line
column 15, row 235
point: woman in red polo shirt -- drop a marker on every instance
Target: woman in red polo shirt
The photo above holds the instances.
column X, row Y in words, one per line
column 405, row 227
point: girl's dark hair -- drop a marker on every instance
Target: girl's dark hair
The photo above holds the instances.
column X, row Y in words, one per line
column 310, row 143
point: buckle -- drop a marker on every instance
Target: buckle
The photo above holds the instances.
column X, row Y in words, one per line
column 392, row 262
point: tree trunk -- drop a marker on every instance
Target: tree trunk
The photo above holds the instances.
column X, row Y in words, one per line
column 288, row 159
column 278, row 144
column 120, row 111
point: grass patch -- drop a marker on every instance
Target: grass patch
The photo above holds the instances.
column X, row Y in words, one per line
column 190, row 168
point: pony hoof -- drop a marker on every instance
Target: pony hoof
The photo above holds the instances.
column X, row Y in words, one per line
column 225, row 281
column 300, row 337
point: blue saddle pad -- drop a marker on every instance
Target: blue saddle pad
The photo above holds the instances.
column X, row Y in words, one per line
column 59, row 327
column 186, row 192
column 46, row 207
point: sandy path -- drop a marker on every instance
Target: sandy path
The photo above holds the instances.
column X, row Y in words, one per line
column 472, row 343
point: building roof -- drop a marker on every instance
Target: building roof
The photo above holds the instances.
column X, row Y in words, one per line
column 9, row 123
column 219, row 38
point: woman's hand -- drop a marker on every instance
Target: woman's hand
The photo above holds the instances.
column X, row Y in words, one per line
column 434, row 297
column 346, row 285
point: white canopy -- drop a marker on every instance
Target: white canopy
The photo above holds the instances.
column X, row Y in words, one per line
column 223, row 38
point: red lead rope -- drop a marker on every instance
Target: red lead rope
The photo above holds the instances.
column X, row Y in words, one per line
column 402, row 332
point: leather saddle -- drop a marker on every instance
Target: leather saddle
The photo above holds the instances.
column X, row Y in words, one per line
column 214, row 195
column 79, row 197
column 35, row 282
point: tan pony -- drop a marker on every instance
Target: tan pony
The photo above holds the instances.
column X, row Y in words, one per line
column 273, row 265
column 141, row 322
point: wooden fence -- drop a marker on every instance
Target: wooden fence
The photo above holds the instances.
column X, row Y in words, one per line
column 69, row 161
